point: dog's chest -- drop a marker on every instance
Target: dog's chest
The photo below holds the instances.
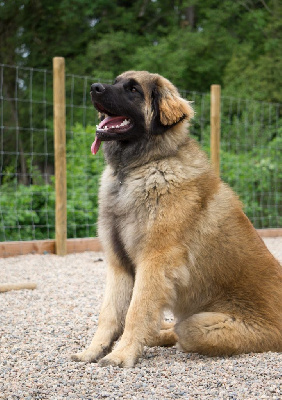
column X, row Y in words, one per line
column 141, row 192
column 132, row 204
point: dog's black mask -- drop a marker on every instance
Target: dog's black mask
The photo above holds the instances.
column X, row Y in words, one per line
column 121, row 106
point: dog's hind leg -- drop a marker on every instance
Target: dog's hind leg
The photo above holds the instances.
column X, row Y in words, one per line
column 166, row 338
column 217, row 334
column 112, row 316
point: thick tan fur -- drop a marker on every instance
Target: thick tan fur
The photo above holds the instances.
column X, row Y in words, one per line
column 191, row 249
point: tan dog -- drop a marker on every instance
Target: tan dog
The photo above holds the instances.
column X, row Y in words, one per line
column 175, row 237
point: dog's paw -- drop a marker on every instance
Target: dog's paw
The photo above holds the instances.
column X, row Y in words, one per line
column 85, row 356
column 117, row 360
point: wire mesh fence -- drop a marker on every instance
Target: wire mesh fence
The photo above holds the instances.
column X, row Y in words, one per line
column 27, row 156
column 251, row 146
column 251, row 162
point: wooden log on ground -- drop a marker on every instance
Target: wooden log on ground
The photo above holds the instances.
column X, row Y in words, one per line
column 17, row 286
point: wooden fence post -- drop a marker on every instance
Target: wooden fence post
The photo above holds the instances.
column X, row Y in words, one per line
column 215, row 127
column 59, row 104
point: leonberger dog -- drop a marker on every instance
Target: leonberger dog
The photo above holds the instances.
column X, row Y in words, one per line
column 175, row 237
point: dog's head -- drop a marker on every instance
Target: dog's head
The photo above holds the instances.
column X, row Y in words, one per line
column 137, row 105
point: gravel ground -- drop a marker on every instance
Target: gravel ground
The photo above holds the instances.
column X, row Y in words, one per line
column 41, row 328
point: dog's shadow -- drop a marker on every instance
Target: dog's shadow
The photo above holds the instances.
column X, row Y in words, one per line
column 172, row 355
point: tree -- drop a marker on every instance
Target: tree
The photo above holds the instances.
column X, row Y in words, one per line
column 256, row 62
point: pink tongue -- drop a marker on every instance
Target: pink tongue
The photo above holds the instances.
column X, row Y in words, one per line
column 95, row 146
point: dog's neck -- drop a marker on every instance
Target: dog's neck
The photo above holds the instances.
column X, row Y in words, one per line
column 122, row 155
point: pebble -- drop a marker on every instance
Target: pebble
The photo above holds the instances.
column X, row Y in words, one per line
column 39, row 330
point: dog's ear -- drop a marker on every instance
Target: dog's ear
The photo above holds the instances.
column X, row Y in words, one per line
column 172, row 107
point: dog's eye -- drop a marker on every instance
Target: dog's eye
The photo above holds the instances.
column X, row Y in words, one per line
column 133, row 89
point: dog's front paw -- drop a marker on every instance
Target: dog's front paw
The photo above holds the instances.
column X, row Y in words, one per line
column 86, row 356
column 117, row 359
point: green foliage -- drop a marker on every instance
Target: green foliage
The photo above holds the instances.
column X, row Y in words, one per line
column 256, row 175
column 193, row 43
column 254, row 68
column 83, row 174
column 28, row 212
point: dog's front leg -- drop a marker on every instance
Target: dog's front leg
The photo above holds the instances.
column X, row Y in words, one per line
column 111, row 320
column 143, row 320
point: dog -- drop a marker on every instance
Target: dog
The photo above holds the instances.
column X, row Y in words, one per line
column 175, row 237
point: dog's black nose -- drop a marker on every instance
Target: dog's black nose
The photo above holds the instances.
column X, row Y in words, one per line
column 97, row 87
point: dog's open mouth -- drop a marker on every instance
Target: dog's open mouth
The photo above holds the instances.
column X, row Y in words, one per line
column 114, row 124
column 109, row 128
